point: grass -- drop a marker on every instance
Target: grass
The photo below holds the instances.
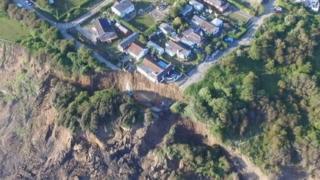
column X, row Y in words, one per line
column 66, row 10
column 143, row 22
column 239, row 17
column 11, row 30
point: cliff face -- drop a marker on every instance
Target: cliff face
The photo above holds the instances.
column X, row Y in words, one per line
column 32, row 145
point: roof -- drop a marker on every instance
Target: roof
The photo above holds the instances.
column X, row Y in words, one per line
column 123, row 5
column 176, row 48
column 216, row 2
column 217, row 22
column 151, row 44
column 196, row 4
column 204, row 25
column 135, row 49
column 103, row 25
column 166, row 27
column 186, row 10
column 122, row 28
column 151, row 64
column 190, row 35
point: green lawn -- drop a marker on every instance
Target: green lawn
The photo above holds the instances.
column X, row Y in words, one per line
column 11, row 30
column 143, row 22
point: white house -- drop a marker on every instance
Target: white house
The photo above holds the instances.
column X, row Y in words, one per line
column 123, row 8
column 175, row 49
column 196, row 5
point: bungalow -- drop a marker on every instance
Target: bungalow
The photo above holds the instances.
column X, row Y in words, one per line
column 123, row 8
column 105, row 30
column 191, row 38
column 175, row 49
column 220, row 5
column 156, row 47
column 125, row 43
column 196, row 5
column 154, row 69
column 205, row 26
column 137, row 51
column 186, row 10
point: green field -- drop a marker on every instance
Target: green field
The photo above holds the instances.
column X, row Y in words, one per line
column 11, row 30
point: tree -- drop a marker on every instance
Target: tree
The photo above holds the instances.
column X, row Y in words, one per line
column 248, row 86
column 177, row 23
column 255, row 51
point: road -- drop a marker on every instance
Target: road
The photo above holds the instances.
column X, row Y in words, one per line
column 94, row 10
column 199, row 73
column 67, row 25
column 63, row 27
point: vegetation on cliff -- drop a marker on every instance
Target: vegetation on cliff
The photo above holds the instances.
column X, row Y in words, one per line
column 46, row 40
column 189, row 158
column 79, row 110
column 264, row 98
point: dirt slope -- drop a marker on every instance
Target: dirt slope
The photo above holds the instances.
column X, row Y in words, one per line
column 32, row 146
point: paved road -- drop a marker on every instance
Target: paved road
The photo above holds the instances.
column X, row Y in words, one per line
column 94, row 10
column 63, row 27
column 198, row 73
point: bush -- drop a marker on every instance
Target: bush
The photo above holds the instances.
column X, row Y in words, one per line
column 178, row 107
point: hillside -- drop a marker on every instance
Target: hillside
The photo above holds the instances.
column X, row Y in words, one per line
column 56, row 127
column 263, row 98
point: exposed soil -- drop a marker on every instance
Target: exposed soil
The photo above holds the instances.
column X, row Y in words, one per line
column 32, row 146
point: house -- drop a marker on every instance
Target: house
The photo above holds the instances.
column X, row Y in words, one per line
column 156, row 47
column 205, row 26
column 154, row 69
column 217, row 22
column 136, row 50
column 196, row 5
column 186, row 10
column 105, row 30
column 175, row 49
column 220, row 5
column 125, row 31
column 314, row 5
column 167, row 29
column 123, row 8
column 191, row 38
column 125, row 43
